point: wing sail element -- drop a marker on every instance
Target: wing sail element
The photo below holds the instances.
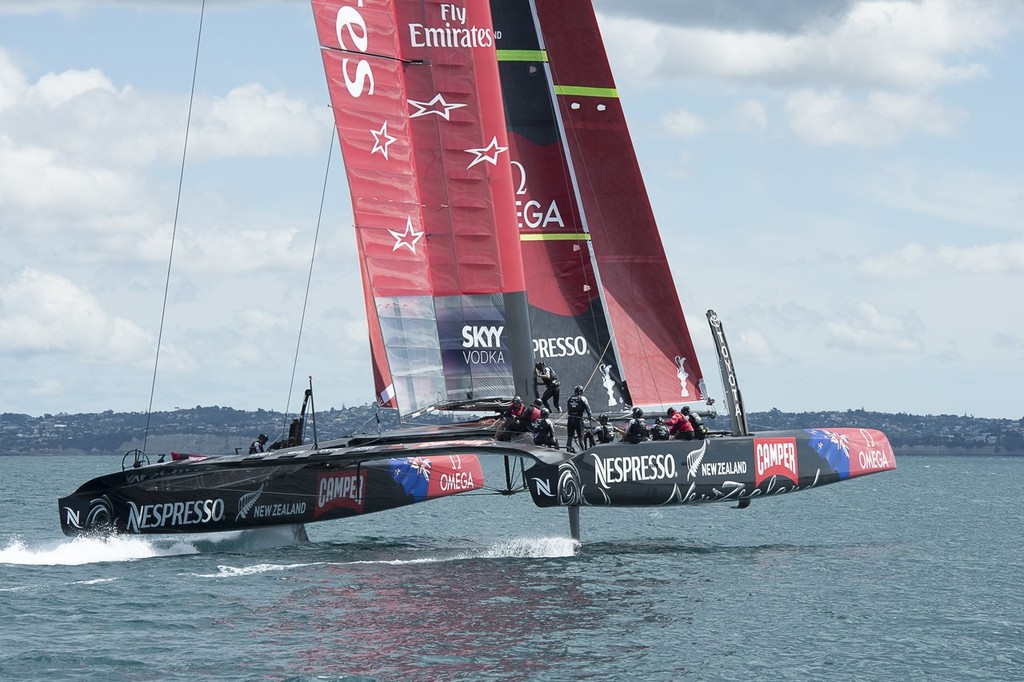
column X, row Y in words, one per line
column 606, row 256
column 416, row 98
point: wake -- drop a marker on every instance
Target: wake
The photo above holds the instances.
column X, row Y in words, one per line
column 519, row 548
column 82, row 550
column 112, row 548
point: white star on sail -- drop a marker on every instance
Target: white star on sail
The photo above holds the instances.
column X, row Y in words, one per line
column 407, row 239
column 426, row 108
column 488, row 153
column 382, row 140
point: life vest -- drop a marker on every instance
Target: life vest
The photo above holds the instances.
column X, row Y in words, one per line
column 604, row 433
column 576, row 405
column 636, row 432
column 678, row 423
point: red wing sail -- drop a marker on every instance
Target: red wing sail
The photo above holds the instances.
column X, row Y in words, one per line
column 567, row 317
column 658, row 359
column 417, row 104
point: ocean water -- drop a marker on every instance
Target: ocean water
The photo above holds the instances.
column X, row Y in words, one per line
column 910, row 574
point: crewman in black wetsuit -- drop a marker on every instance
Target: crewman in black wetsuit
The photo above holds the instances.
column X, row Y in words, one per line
column 576, row 406
column 659, row 431
column 544, row 430
column 699, row 430
column 637, row 431
column 605, row 432
column 544, row 375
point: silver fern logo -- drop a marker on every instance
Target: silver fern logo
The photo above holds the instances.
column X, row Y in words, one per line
column 694, row 459
column 247, row 501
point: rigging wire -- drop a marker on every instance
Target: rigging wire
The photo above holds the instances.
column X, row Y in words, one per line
column 309, row 276
column 174, row 227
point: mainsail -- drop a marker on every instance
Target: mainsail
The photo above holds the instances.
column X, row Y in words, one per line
column 417, row 104
column 603, row 307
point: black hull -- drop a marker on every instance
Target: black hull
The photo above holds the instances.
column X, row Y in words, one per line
column 287, row 487
column 355, row 477
column 718, row 469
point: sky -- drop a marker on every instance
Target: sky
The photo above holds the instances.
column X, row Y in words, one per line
column 841, row 180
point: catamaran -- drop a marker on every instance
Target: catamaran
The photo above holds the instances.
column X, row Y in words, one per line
column 502, row 220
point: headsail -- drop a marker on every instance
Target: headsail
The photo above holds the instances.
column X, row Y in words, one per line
column 597, row 275
column 414, row 86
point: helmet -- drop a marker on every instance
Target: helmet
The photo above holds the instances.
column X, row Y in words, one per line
column 603, row 419
column 659, row 420
column 538, row 402
column 544, row 412
column 539, row 364
column 517, row 401
column 686, row 409
column 637, row 412
column 578, row 390
column 670, row 411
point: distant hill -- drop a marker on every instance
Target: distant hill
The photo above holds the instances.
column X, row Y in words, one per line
column 216, row 430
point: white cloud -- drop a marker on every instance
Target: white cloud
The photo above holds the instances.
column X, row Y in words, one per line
column 12, row 82
column 78, row 152
column 962, row 195
column 866, row 328
column 897, row 44
column 858, row 328
column 833, row 117
column 83, row 115
column 867, row 78
column 912, row 46
column 38, row 182
column 683, row 123
column 749, row 115
column 250, row 121
column 54, row 89
column 755, row 347
column 917, row 260
column 46, row 313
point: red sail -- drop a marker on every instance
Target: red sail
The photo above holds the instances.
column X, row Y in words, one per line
column 567, row 317
column 602, row 305
column 416, row 97
column 659, row 360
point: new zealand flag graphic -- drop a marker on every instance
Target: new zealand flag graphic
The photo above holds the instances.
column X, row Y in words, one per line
column 413, row 474
column 834, row 448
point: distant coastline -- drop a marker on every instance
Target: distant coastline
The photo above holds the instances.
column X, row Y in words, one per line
column 219, row 430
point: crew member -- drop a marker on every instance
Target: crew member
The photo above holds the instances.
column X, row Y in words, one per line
column 699, row 430
column 679, row 427
column 544, row 430
column 659, row 431
column 257, row 445
column 636, row 431
column 514, row 420
column 576, row 406
column 544, row 375
column 605, row 432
